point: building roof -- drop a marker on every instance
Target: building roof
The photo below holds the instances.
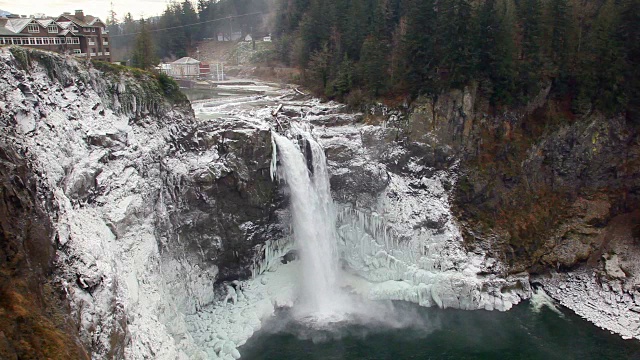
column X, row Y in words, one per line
column 45, row 22
column 7, row 31
column 75, row 20
column 64, row 24
column 89, row 20
column 13, row 26
column 186, row 61
column 17, row 25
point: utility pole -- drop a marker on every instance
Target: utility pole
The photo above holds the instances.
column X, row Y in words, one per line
column 253, row 41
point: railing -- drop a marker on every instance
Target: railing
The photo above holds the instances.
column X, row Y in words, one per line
column 92, row 43
column 92, row 54
column 105, row 43
column 99, row 54
column 35, row 41
column 106, row 53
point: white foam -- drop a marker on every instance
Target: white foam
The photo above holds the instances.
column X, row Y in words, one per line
column 313, row 223
column 540, row 299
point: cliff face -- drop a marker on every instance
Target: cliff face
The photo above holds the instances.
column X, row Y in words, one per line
column 541, row 190
column 34, row 322
column 536, row 184
column 121, row 209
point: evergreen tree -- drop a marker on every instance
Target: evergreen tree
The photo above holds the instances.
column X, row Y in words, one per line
column 344, row 78
column 173, row 41
column 188, row 17
column 531, row 58
column 562, row 41
column 355, row 28
column 497, row 51
column 629, row 37
column 455, row 31
column 588, row 52
column 373, row 63
column 206, row 12
column 314, row 31
column 600, row 79
column 319, row 68
column 143, row 52
column 419, row 45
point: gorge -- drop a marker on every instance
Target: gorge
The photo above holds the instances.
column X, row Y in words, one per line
column 146, row 226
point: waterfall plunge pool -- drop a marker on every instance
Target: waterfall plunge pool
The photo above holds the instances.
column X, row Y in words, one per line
column 431, row 333
column 326, row 324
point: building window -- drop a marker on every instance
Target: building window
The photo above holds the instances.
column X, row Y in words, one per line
column 77, row 51
column 52, row 29
column 93, row 29
column 32, row 41
column 33, row 28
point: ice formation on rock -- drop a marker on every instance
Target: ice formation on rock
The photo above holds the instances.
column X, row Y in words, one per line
column 402, row 243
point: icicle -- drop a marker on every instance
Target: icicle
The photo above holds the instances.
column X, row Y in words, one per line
column 274, row 157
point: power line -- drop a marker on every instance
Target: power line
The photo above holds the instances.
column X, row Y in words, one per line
column 187, row 25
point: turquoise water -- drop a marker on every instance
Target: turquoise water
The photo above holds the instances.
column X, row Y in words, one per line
column 428, row 333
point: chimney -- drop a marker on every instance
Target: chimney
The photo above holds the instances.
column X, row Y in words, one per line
column 80, row 15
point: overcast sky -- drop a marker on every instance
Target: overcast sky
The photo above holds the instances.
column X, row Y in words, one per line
column 99, row 8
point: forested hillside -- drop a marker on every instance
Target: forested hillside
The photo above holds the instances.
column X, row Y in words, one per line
column 588, row 51
column 183, row 24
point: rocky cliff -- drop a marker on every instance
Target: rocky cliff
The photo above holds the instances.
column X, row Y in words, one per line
column 542, row 191
column 120, row 210
column 123, row 213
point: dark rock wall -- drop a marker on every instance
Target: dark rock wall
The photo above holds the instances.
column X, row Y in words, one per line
column 34, row 318
column 222, row 210
column 209, row 217
column 537, row 186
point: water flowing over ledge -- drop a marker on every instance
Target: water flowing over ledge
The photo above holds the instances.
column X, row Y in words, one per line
column 157, row 214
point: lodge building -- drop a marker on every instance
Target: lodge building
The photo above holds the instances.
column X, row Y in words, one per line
column 78, row 34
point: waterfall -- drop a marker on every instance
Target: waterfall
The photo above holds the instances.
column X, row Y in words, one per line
column 313, row 220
